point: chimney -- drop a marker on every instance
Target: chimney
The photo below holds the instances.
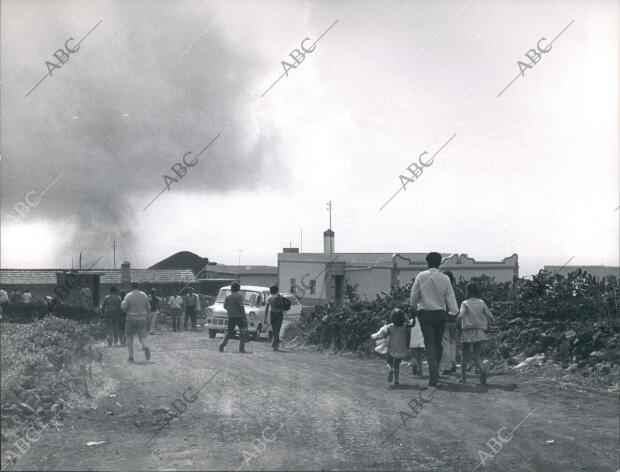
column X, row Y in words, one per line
column 125, row 273
column 328, row 242
column 290, row 250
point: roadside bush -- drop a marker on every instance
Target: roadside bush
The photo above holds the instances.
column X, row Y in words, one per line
column 39, row 365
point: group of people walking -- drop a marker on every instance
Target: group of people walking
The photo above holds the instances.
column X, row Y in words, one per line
column 129, row 315
column 233, row 304
column 440, row 314
column 136, row 315
column 15, row 296
column 436, row 323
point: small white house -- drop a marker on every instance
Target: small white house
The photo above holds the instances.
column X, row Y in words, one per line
column 321, row 277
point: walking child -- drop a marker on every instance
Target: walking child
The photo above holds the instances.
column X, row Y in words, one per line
column 474, row 319
column 416, row 344
column 396, row 345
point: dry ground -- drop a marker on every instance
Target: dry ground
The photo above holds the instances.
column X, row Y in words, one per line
column 332, row 413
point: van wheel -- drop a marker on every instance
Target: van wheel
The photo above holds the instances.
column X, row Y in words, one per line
column 212, row 333
column 256, row 333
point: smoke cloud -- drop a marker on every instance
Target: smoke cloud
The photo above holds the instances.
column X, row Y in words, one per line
column 146, row 87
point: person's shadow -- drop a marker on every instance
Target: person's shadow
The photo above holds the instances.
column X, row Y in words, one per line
column 407, row 387
column 475, row 387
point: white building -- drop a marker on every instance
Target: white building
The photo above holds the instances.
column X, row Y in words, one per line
column 321, row 277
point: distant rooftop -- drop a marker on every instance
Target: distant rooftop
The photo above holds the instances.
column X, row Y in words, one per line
column 242, row 270
column 108, row 276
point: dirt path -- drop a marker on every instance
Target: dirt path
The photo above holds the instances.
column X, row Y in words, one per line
column 332, row 413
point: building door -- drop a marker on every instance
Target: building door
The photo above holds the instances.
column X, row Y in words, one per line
column 338, row 288
column 96, row 288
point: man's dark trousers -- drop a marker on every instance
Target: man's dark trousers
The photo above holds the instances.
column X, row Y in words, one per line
column 190, row 312
column 175, row 314
column 276, row 324
column 432, row 324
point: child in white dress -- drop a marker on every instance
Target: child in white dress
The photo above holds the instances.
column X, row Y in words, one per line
column 416, row 344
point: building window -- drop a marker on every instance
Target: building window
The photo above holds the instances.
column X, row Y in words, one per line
column 293, row 285
column 312, row 287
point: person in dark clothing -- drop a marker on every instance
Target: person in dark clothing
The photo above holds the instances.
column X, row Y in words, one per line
column 233, row 304
column 15, row 296
column 112, row 313
column 274, row 308
column 192, row 304
column 151, row 319
column 122, row 294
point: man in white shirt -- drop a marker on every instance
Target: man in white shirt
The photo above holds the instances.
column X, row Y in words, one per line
column 4, row 297
column 136, row 305
column 4, row 300
column 431, row 294
column 27, row 296
column 176, row 308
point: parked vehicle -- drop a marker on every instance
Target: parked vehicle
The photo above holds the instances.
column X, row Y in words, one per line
column 255, row 299
column 205, row 302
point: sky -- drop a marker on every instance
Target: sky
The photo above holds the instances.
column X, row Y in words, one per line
column 534, row 171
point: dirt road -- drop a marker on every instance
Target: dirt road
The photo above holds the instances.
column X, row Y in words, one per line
column 311, row 410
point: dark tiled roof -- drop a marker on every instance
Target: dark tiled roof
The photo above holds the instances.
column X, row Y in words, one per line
column 28, row 276
column 108, row 276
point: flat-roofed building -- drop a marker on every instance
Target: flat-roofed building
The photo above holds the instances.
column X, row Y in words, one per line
column 322, row 277
column 264, row 276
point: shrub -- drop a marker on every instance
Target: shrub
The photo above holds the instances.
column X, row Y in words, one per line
column 36, row 361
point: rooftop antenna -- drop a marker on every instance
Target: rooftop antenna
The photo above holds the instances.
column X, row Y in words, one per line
column 329, row 208
column 239, row 258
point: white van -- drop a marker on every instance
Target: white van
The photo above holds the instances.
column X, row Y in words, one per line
column 254, row 302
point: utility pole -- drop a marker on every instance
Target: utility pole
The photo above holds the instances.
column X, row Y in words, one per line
column 80, row 261
column 114, row 249
column 301, row 241
column 239, row 259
